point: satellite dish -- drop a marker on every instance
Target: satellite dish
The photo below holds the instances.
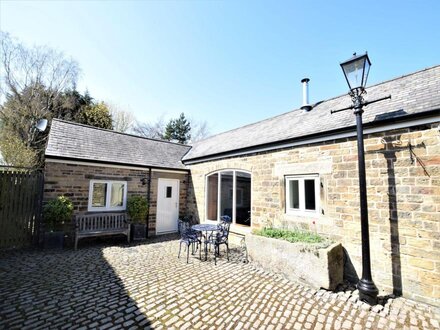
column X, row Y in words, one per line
column 41, row 125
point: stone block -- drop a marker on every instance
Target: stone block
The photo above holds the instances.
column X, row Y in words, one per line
column 314, row 264
column 421, row 263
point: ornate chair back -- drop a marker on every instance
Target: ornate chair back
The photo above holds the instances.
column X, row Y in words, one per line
column 184, row 228
column 223, row 228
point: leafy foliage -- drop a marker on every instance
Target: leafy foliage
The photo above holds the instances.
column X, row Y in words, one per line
column 178, row 129
column 137, row 208
column 57, row 211
column 15, row 152
column 291, row 236
column 97, row 115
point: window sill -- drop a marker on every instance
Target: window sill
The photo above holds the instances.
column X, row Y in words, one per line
column 235, row 228
column 240, row 229
column 303, row 214
column 103, row 209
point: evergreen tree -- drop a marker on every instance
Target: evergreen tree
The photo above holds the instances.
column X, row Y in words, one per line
column 178, row 129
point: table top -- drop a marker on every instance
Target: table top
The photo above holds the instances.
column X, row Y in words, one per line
column 205, row 227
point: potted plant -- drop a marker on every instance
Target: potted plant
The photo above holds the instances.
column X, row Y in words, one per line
column 137, row 209
column 55, row 213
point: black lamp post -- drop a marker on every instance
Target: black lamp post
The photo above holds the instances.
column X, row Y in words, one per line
column 356, row 71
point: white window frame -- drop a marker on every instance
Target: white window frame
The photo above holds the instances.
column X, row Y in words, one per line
column 302, row 207
column 107, row 206
column 234, row 190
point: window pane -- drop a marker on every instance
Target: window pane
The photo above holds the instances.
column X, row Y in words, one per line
column 169, row 192
column 212, row 197
column 309, row 191
column 243, row 199
column 294, row 194
column 117, row 195
column 225, row 193
column 98, row 194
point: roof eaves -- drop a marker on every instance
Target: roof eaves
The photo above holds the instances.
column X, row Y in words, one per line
column 140, row 166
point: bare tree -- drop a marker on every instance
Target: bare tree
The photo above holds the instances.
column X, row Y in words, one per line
column 32, row 81
column 153, row 130
column 24, row 68
column 123, row 120
column 156, row 130
column 199, row 130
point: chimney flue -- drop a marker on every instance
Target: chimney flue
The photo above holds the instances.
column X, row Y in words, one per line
column 306, row 106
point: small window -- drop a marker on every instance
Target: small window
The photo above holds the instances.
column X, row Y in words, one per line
column 302, row 194
column 107, row 195
column 169, row 192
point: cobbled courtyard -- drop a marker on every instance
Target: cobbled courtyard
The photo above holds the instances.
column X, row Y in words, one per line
column 119, row 286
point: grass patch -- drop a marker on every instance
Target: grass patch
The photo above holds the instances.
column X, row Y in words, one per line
column 292, row 236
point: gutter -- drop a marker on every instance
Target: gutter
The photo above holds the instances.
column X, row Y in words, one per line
column 427, row 117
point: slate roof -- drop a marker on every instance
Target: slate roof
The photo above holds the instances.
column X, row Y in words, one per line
column 411, row 94
column 81, row 142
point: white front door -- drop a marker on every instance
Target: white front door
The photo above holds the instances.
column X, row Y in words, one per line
column 167, row 206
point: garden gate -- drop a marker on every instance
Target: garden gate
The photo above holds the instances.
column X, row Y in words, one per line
column 21, row 197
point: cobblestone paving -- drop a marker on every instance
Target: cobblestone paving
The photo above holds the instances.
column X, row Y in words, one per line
column 146, row 286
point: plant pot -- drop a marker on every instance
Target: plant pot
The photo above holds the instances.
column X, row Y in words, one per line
column 138, row 231
column 54, row 240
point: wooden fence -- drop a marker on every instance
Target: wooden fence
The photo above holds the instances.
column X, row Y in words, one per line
column 21, row 195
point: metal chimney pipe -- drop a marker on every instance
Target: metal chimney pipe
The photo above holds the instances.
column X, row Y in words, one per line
column 306, row 106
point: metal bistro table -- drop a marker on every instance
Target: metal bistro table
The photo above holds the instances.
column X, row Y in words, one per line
column 205, row 228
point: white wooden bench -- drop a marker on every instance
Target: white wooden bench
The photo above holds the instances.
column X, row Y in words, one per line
column 102, row 224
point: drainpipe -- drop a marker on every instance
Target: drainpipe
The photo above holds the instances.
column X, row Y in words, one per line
column 148, row 200
column 186, row 197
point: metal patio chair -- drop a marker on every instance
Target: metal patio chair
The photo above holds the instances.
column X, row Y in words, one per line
column 220, row 237
column 190, row 238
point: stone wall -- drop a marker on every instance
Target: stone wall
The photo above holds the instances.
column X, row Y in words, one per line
column 72, row 180
column 403, row 180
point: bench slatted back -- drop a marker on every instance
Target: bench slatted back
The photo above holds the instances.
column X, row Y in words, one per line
column 103, row 221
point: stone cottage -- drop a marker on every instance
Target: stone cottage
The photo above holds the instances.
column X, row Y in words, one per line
column 298, row 169
column 97, row 169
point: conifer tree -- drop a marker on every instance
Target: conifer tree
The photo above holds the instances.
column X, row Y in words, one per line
column 178, row 130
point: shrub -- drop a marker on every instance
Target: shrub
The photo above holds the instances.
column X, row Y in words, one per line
column 292, row 236
column 137, row 208
column 56, row 212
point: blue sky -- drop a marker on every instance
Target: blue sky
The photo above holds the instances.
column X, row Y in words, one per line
column 229, row 63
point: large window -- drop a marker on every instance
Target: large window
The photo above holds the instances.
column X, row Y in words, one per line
column 302, row 194
column 107, row 195
column 229, row 193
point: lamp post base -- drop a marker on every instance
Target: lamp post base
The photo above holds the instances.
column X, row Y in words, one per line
column 367, row 291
